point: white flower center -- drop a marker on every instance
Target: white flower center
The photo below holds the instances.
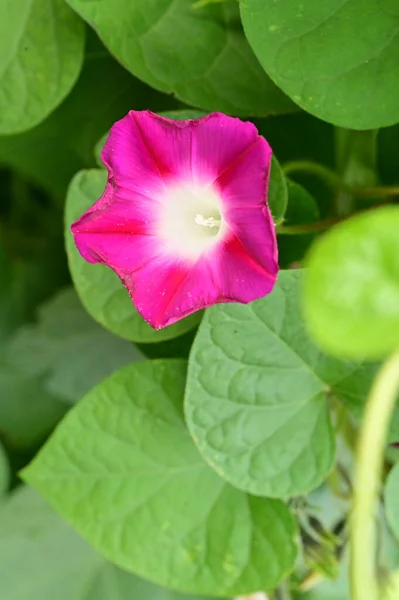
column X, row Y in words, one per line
column 191, row 221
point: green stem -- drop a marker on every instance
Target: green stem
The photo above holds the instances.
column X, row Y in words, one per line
column 334, row 180
column 283, row 591
column 384, row 191
column 370, row 451
column 306, row 227
column 327, row 175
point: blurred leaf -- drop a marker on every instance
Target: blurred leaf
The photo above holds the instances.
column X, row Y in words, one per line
column 99, row 288
column 41, row 55
column 311, row 52
column 183, row 115
column 69, row 350
column 123, row 469
column 354, row 389
column 54, row 151
column 27, row 411
column 199, row 54
column 391, row 590
column 351, row 294
column 302, row 209
column 278, row 192
column 55, row 560
column 257, row 394
column 391, row 496
column 4, row 472
column 388, row 159
column 335, row 589
column 25, row 282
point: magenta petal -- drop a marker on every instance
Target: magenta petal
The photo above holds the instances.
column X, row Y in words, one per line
column 218, row 141
column 129, row 157
column 183, row 220
column 177, row 289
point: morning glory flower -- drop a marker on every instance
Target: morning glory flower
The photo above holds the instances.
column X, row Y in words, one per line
column 183, row 220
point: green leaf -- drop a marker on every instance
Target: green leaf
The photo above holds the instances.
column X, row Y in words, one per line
column 69, row 350
column 351, row 293
column 330, row 589
column 112, row 583
column 28, row 412
column 312, row 52
column 391, row 495
column 54, row 559
column 302, row 209
column 25, row 282
column 391, row 589
column 99, row 288
column 123, row 469
column 198, row 54
column 51, row 153
column 4, row 472
column 57, row 563
column 278, row 192
column 41, row 55
column 257, row 394
column 178, row 115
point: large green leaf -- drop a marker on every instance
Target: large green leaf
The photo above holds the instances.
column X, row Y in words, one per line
column 257, row 394
column 112, row 583
column 56, row 562
column 99, row 288
column 351, row 296
column 199, row 54
column 51, row 153
column 314, row 52
column 41, row 54
column 4, row 471
column 392, row 500
column 69, row 350
column 123, row 469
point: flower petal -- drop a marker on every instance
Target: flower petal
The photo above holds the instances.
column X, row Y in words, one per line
column 129, row 157
column 243, row 184
column 126, row 253
column 165, row 290
column 242, row 187
column 218, row 141
column 119, row 212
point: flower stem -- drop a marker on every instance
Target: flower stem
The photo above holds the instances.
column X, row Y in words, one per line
column 306, row 227
column 328, row 175
column 384, row 191
column 335, row 181
column 377, row 416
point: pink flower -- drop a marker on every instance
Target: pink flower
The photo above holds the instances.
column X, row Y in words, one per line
column 183, row 219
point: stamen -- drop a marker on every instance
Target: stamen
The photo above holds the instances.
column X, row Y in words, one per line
column 209, row 222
